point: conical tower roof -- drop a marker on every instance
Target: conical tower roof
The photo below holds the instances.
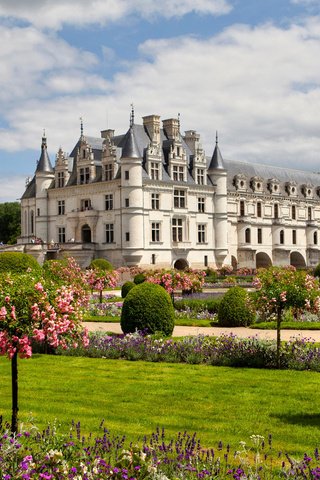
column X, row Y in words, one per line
column 216, row 160
column 44, row 164
column 130, row 148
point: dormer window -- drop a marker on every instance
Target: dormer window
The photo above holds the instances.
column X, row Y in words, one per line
column 154, row 170
column 108, row 172
column 256, row 184
column 307, row 190
column 200, row 176
column 240, row 182
column 274, row 186
column 84, row 175
column 178, row 173
column 291, row 189
column 60, row 177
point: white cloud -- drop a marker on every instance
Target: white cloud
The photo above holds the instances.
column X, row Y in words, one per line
column 46, row 13
column 12, row 188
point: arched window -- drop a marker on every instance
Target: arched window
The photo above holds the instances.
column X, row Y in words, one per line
column 281, row 237
column 248, row 235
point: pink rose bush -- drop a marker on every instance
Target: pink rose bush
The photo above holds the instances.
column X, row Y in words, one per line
column 100, row 280
column 173, row 280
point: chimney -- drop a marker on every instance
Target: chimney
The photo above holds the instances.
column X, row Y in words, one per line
column 152, row 125
column 171, row 127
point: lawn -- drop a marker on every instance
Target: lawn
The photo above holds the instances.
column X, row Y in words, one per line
column 134, row 398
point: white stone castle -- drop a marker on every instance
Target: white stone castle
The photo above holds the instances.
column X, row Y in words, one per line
column 152, row 198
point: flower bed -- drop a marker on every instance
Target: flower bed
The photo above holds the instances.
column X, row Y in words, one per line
column 50, row 455
column 227, row 350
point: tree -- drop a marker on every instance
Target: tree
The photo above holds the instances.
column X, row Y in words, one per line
column 33, row 308
column 280, row 288
column 10, row 222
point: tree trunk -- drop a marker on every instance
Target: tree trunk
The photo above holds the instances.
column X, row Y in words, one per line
column 279, row 316
column 14, row 379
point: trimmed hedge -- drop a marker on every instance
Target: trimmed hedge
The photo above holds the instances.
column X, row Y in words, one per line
column 139, row 278
column 126, row 287
column 101, row 264
column 147, row 307
column 18, row 262
column 234, row 309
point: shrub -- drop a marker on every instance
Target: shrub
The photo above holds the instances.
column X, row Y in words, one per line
column 235, row 309
column 18, row 262
column 101, row 264
column 139, row 278
column 126, row 287
column 317, row 271
column 147, row 307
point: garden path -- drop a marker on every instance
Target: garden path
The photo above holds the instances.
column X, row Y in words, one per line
column 180, row 331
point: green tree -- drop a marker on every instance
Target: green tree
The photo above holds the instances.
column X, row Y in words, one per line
column 10, row 222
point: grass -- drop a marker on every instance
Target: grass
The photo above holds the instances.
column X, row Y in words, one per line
column 134, row 398
column 288, row 325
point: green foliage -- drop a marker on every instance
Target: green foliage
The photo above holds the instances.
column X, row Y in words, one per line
column 10, row 222
column 101, row 264
column 316, row 272
column 126, row 287
column 198, row 305
column 139, row 278
column 235, row 309
column 148, row 307
column 18, row 262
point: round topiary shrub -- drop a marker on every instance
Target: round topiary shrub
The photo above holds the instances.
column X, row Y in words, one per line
column 234, row 309
column 147, row 307
column 101, row 264
column 18, row 262
column 126, row 287
column 139, row 278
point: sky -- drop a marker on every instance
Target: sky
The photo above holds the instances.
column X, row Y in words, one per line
column 249, row 69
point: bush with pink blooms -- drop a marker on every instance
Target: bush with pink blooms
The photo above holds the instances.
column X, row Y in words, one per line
column 189, row 281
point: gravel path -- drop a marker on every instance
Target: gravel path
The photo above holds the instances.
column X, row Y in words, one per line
column 216, row 331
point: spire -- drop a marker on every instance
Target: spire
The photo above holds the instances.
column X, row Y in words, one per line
column 44, row 164
column 130, row 148
column 132, row 115
column 81, row 128
column 216, row 160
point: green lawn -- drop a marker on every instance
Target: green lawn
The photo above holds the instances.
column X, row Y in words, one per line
column 134, row 398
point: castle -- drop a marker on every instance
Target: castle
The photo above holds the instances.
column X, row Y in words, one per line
column 151, row 197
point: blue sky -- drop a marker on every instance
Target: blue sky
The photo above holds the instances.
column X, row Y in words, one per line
column 247, row 68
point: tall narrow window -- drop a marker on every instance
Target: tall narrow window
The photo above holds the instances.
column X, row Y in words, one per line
column 153, row 259
column 259, row 209
column 108, row 172
column 61, row 207
column 201, row 233
column 126, row 202
column 177, row 229
column 109, row 233
column 294, row 237
column 281, row 237
column 84, row 175
column 126, row 174
column 155, row 202
column 259, row 234
column 154, row 171
column 178, row 173
column 205, row 260
column 60, row 179
column 127, row 236
column 155, row 232
column 201, row 204
column 276, row 210
column 242, row 208
column 61, row 235
column 293, row 212
column 109, row 201
column 309, row 213
column 248, row 235
column 200, row 176
column 315, row 238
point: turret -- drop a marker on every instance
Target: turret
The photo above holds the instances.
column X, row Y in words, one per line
column 44, row 176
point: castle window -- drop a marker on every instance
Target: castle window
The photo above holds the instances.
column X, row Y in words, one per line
column 276, row 210
column 127, row 236
column 309, row 213
column 242, row 212
column 109, row 233
column 259, row 234
column 293, row 212
column 153, row 259
column 177, row 230
column 201, row 204
column 178, row 173
column 61, row 207
column 248, row 235
column 126, row 174
column 126, row 202
column 60, row 179
column 205, row 260
column 155, row 232
column 109, row 201
column 155, row 201
column 200, row 176
column 179, row 197
column 84, row 175
column 315, row 238
column 281, row 237
column 61, row 235
column 108, row 172
column 201, row 233
column 85, row 204
column 154, row 171
column 31, row 222
column 259, row 209
column 294, row 237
